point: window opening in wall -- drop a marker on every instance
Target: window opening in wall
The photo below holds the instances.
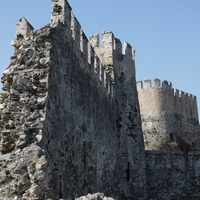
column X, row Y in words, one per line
column 128, row 172
column 191, row 113
column 60, row 190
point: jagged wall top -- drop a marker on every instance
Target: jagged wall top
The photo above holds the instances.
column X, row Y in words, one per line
column 111, row 48
column 103, row 58
column 109, row 55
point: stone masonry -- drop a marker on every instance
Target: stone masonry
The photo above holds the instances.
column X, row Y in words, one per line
column 69, row 127
column 70, row 123
column 169, row 117
column 172, row 140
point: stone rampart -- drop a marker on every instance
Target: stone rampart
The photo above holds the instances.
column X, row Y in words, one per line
column 97, row 127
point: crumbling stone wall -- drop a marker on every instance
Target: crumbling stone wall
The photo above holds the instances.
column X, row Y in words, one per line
column 22, row 161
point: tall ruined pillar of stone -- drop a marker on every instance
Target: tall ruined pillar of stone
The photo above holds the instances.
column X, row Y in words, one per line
column 130, row 154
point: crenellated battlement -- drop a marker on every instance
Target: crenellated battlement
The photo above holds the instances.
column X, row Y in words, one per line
column 153, row 85
column 164, row 85
column 165, row 98
column 104, row 55
column 113, row 55
column 100, row 58
column 111, row 48
column 62, row 12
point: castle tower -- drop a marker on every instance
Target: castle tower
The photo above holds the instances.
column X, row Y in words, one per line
column 121, row 69
column 169, row 116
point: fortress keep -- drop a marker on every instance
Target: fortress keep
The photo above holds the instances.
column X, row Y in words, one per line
column 70, row 120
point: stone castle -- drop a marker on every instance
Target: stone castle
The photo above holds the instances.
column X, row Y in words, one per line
column 74, row 121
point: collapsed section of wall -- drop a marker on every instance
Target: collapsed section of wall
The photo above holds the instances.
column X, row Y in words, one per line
column 169, row 116
column 22, row 161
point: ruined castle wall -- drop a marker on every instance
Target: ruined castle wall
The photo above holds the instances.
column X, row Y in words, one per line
column 167, row 115
column 171, row 175
column 70, row 120
column 68, row 126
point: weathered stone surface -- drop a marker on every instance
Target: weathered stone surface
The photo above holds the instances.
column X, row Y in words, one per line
column 23, row 28
column 62, row 125
column 97, row 196
column 22, row 113
column 70, row 121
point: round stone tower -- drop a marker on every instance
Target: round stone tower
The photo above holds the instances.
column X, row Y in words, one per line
column 169, row 116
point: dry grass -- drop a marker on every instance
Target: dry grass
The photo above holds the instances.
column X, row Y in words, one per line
column 172, row 145
column 159, row 145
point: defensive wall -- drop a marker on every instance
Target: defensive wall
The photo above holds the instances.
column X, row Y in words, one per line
column 168, row 116
column 67, row 125
column 70, row 120
column 171, row 135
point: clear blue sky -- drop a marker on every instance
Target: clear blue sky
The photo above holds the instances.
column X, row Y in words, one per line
column 164, row 33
